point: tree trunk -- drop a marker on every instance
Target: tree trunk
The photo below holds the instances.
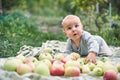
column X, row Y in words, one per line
column 0, row 8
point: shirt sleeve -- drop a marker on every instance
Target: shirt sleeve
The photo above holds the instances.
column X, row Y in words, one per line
column 68, row 49
column 92, row 43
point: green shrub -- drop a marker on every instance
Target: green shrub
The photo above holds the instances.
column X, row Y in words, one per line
column 17, row 30
column 111, row 36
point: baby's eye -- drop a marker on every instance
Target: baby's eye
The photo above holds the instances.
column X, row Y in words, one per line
column 76, row 26
column 69, row 28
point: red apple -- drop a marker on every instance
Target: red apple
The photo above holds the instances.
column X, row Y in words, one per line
column 52, row 60
column 58, row 62
column 72, row 71
column 110, row 75
column 57, row 70
column 64, row 60
column 32, row 66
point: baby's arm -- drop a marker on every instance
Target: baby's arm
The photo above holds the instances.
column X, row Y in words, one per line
column 68, row 48
column 92, row 52
column 93, row 48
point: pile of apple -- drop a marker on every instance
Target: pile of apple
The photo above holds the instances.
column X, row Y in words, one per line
column 61, row 65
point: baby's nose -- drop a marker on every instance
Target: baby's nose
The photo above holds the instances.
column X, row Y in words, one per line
column 73, row 28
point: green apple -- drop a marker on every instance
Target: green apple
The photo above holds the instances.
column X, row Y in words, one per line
column 109, row 62
column 23, row 69
column 45, row 56
column 91, row 65
column 47, row 62
column 97, row 71
column 72, row 71
column 72, row 63
column 42, row 69
column 70, row 57
column 104, row 59
column 109, row 66
column 21, row 57
column 81, row 61
column 75, row 55
column 47, row 50
column 30, row 59
column 36, row 63
column 100, row 64
column 118, row 67
column 85, row 69
column 59, row 56
column 11, row 64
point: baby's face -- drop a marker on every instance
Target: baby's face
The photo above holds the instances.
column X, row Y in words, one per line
column 73, row 29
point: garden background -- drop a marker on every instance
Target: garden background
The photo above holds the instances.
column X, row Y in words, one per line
column 32, row 22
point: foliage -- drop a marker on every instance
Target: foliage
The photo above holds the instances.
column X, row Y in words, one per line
column 111, row 33
column 70, row 6
column 8, row 4
column 112, row 36
column 17, row 30
column 85, row 5
column 37, row 7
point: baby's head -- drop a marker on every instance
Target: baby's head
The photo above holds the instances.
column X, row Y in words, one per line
column 71, row 20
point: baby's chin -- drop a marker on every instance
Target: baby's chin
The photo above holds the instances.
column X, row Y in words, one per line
column 76, row 36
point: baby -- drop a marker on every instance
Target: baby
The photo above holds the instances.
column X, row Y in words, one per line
column 83, row 42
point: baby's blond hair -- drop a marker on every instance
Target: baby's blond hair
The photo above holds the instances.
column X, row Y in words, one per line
column 70, row 19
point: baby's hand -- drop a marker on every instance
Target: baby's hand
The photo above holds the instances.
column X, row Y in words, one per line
column 91, row 57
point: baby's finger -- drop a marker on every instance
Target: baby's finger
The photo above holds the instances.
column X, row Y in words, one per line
column 94, row 61
column 87, row 60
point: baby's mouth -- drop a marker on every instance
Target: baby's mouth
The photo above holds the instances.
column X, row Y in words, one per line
column 74, row 34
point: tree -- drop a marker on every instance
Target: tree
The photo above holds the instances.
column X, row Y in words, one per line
column 0, row 8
